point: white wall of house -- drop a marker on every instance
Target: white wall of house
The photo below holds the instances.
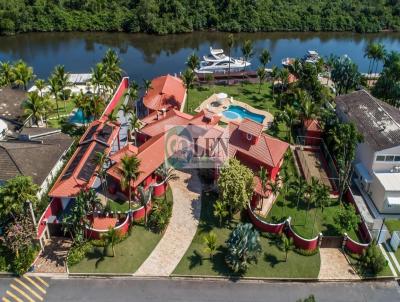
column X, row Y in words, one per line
column 380, row 195
column 387, row 159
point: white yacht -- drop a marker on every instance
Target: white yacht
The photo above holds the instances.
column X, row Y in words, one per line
column 310, row 57
column 217, row 61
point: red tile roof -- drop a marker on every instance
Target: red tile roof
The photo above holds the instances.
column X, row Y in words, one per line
column 312, row 125
column 251, row 127
column 70, row 183
column 165, row 92
column 151, row 155
column 267, row 150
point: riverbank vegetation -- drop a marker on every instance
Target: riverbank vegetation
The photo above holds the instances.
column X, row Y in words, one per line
column 161, row 17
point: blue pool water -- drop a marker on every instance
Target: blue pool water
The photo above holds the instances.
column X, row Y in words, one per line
column 235, row 112
column 78, row 118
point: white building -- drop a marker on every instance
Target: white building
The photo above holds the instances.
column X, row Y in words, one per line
column 377, row 163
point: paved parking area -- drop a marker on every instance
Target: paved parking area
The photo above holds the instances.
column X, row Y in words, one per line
column 334, row 265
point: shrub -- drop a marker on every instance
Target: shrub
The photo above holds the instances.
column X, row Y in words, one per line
column 23, row 261
column 160, row 215
column 372, row 259
column 98, row 243
column 243, row 247
column 306, row 252
column 3, row 264
column 78, row 252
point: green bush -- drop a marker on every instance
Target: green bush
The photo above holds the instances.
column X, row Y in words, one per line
column 306, row 252
column 98, row 243
column 3, row 264
column 160, row 215
column 23, row 262
column 372, row 259
column 78, row 252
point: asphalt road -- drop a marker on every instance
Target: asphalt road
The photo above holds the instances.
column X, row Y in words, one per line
column 105, row 290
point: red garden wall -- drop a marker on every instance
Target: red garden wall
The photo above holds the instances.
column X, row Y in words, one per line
column 159, row 190
column 123, row 86
column 300, row 242
column 139, row 213
column 52, row 209
column 265, row 226
column 96, row 234
column 354, row 246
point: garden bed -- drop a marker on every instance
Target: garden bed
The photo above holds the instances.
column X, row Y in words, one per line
column 271, row 263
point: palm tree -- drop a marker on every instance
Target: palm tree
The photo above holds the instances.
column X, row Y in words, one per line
column 82, row 102
column 265, row 58
column 111, row 238
column 311, row 191
column 166, row 174
column 98, row 78
column 48, row 107
column 40, row 86
column 321, row 200
column 7, row 73
column 112, row 68
column 62, row 78
column 23, row 74
column 188, row 77
column 112, row 116
column 144, row 199
column 55, row 89
column 300, row 186
column 231, row 42
column 210, row 242
column 287, row 245
column 289, row 115
column 101, row 160
column 132, row 93
column 92, row 201
column 193, row 62
column 126, row 109
column 284, row 78
column 147, row 85
column 380, row 55
column 274, row 76
column 247, row 51
column 261, row 74
column 220, row 211
column 34, row 106
column 308, row 108
column 134, row 126
column 96, row 106
column 130, row 172
column 263, row 176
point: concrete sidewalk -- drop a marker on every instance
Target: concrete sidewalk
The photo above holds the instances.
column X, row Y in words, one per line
column 181, row 229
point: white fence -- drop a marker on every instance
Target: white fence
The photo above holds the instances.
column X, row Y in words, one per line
column 395, row 241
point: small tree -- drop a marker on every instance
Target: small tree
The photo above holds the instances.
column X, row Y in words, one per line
column 111, row 238
column 210, row 242
column 144, row 197
column 261, row 74
column 20, row 234
column 243, row 247
column 235, row 185
column 287, row 245
column 220, row 211
column 347, row 218
column 372, row 259
column 193, row 62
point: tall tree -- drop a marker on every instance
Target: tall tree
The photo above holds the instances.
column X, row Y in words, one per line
column 34, row 106
column 231, row 43
column 144, row 198
column 7, row 72
column 98, row 79
column 193, row 62
column 134, row 126
column 345, row 75
column 147, row 85
column 111, row 238
column 263, row 177
column 247, row 51
column 113, row 71
column 235, row 183
column 62, row 77
column 23, row 74
column 188, row 78
column 40, row 86
column 261, row 74
column 130, row 172
column 55, row 89
column 343, row 138
column 102, row 161
column 265, row 58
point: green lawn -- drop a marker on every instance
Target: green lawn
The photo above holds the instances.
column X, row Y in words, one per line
column 247, row 93
column 393, row 225
column 129, row 254
column 117, row 205
column 307, row 221
column 271, row 263
column 53, row 121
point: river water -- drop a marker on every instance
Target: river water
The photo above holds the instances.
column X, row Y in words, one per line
column 146, row 56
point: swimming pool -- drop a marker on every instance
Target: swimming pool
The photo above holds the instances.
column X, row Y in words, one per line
column 237, row 112
column 79, row 118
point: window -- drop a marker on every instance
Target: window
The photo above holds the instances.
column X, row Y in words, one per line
column 380, row 158
column 389, row 158
column 249, row 137
column 397, row 158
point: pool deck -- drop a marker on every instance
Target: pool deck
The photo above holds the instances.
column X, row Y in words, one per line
column 217, row 106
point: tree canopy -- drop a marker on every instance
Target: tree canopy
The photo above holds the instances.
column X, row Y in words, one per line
column 162, row 17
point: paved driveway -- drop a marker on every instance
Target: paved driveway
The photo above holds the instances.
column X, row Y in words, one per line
column 181, row 229
column 334, row 265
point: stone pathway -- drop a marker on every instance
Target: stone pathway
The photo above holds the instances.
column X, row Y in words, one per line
column 334, row 265
column 54, row 256
column 181, row 229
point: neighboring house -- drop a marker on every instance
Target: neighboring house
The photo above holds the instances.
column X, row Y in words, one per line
column 37, row 152
column 12, row 116
column 377, row 163
column 166, row 92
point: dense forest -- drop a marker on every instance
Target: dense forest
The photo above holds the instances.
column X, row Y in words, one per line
column 177, row 16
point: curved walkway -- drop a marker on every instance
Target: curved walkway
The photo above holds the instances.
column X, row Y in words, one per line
column 181, row 229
